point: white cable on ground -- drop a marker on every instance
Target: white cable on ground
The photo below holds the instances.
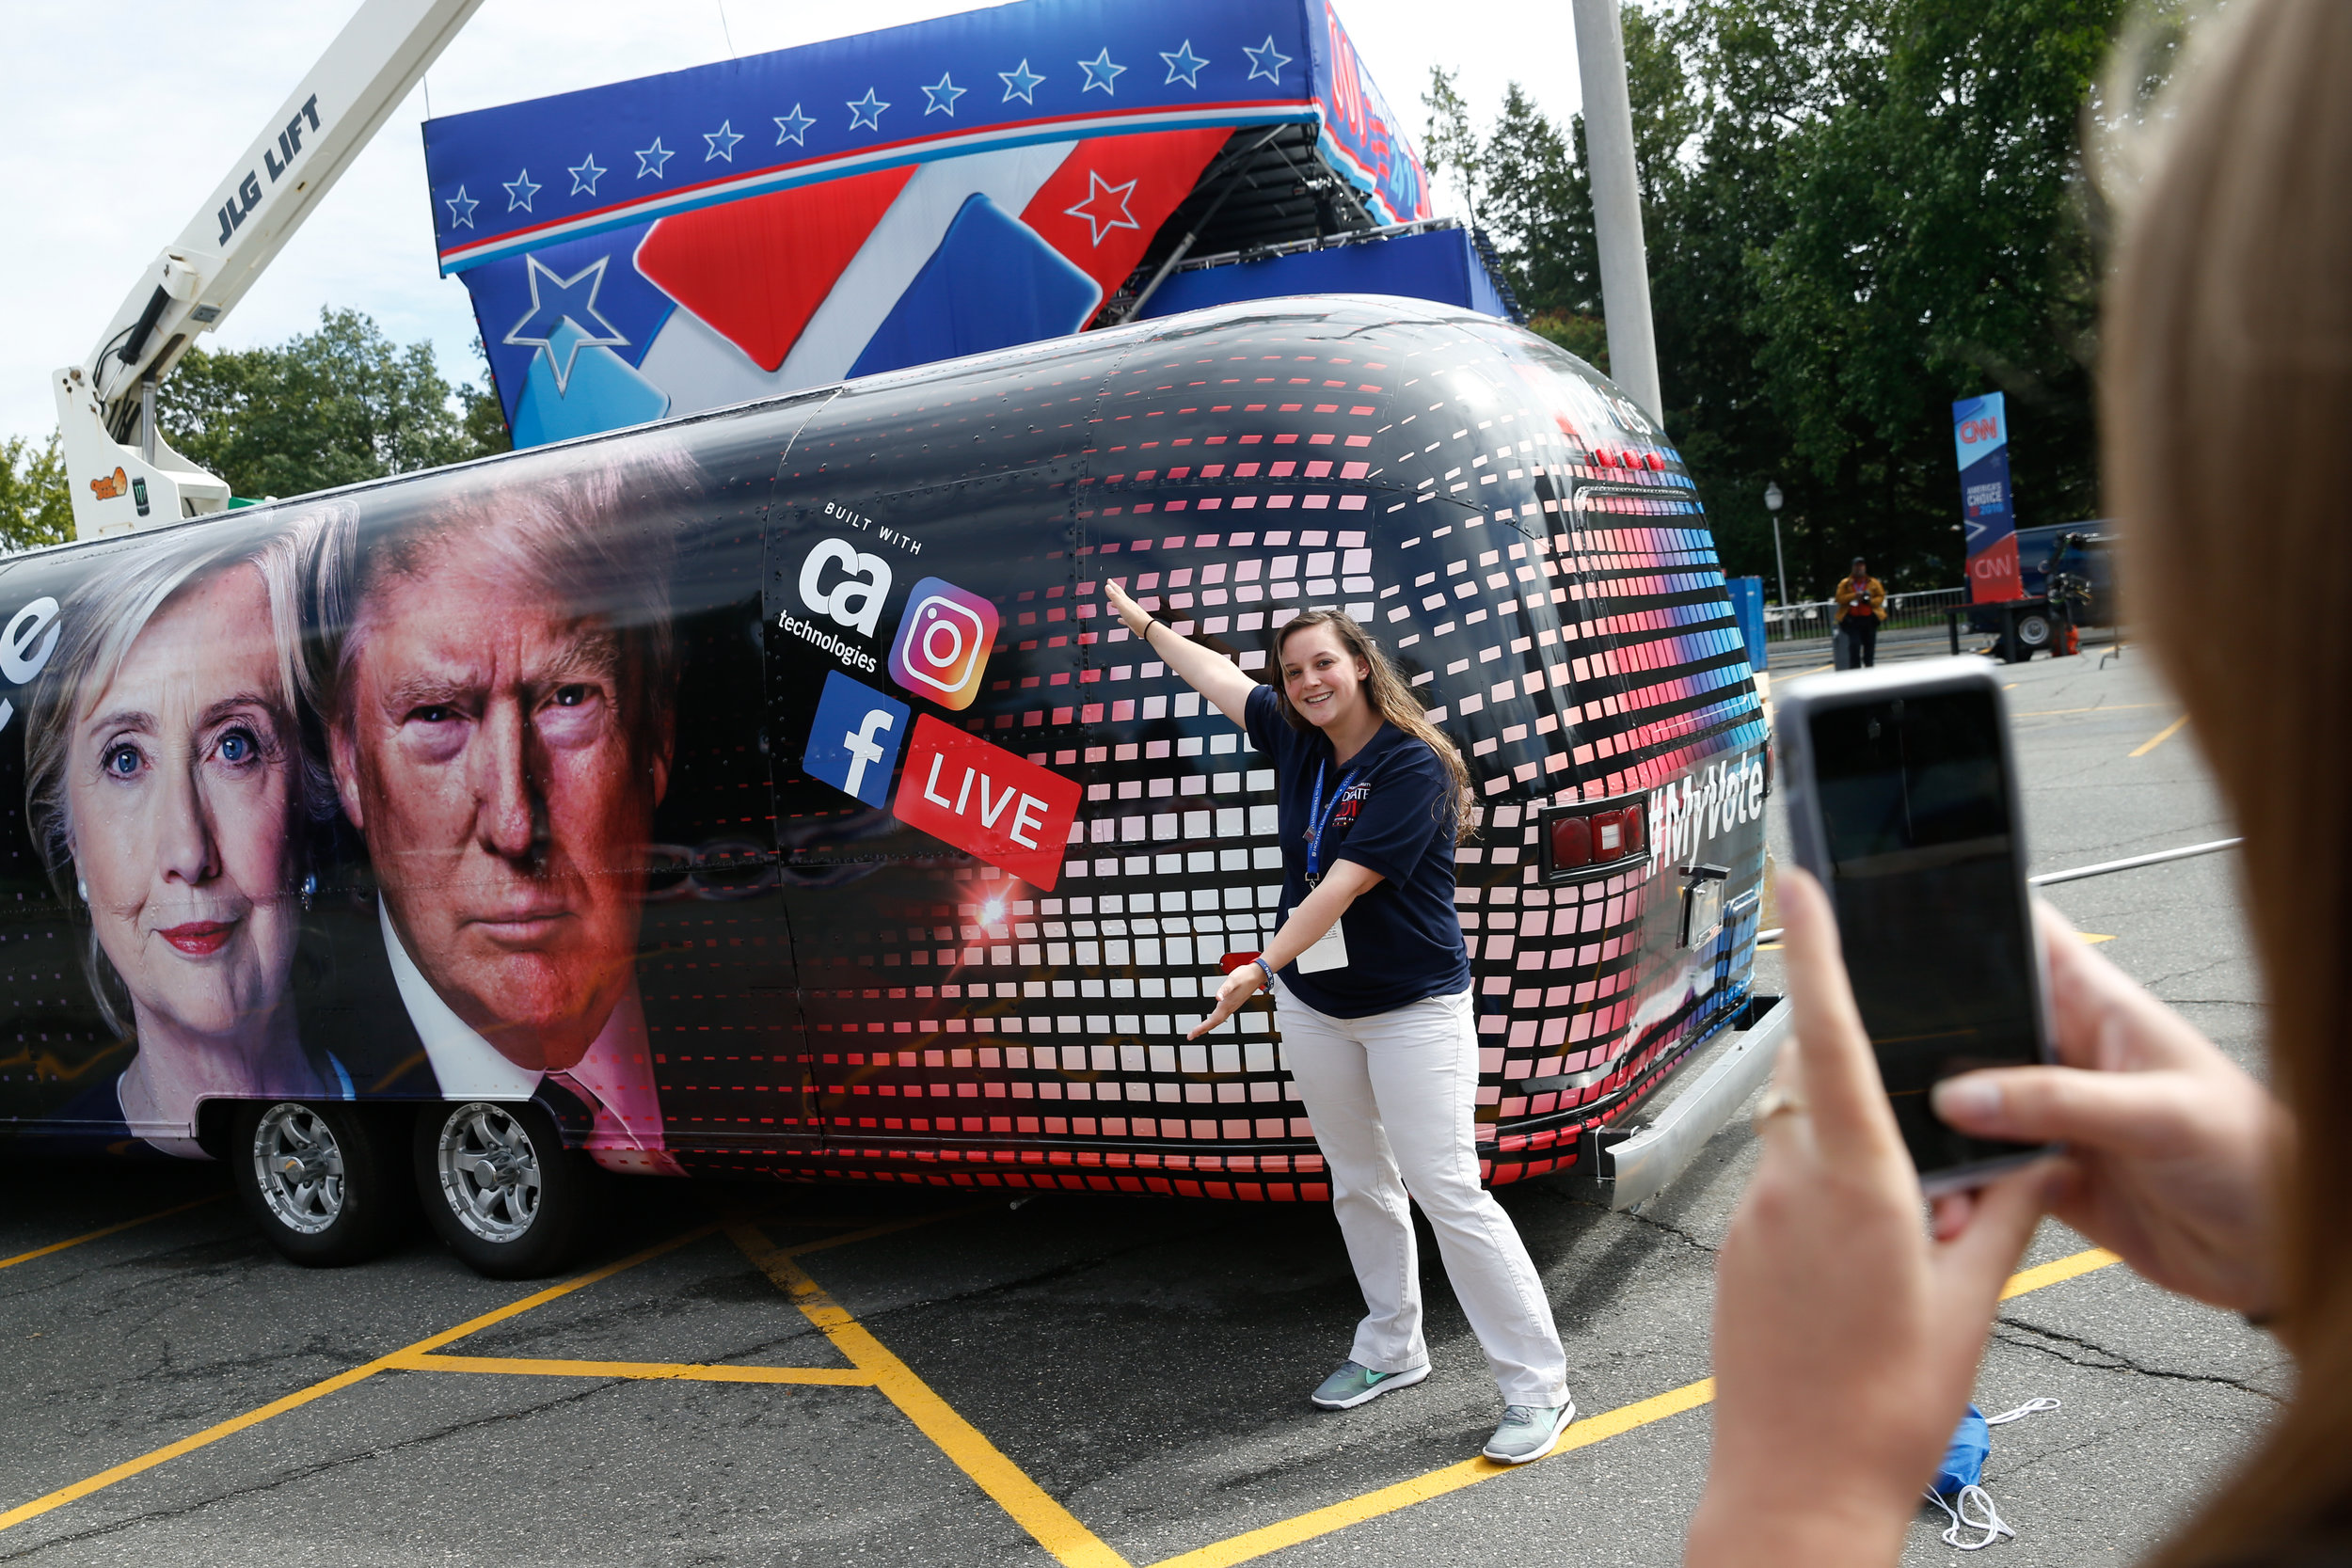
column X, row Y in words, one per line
column 1974, row 1497
column 2075, row 873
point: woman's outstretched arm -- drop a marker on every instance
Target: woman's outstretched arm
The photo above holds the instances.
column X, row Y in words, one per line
column 1206, row 672
column 1309, row 924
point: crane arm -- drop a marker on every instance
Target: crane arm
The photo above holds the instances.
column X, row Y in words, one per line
column 122, row 473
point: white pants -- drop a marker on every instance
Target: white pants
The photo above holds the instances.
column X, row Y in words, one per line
column 1391, row 1098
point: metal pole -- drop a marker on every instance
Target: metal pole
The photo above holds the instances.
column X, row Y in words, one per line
column 1616, row 204
column 1778, row 560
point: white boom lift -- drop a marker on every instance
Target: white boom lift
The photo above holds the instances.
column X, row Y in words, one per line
column 123, row 475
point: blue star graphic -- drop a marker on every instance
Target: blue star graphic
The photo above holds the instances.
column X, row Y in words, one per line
column 1267, row 62
column 584, row 178
column 867, row 111
column 650, row 159
column 943, row 97
column 721, row 141
column 793, row 127
column 1183, row 63
column 1099, row 71
column 556, row 300
column 460, row 209
column 519, row 191
column 1020, row 82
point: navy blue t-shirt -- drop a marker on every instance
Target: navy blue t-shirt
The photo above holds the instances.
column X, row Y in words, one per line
column 1403, row 943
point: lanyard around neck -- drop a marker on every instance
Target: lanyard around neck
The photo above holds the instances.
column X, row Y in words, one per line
column 1319, row 817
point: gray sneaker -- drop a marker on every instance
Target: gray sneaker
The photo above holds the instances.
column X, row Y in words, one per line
column 1353, row 1385
column 1529, row 1432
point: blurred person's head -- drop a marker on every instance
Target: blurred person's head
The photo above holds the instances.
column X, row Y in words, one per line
column 168, row 790
column 2226, row 397
column 500, row 678
column 1327, row 667
column 1861, row 568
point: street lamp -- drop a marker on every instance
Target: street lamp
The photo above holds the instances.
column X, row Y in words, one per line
column 1772, row 499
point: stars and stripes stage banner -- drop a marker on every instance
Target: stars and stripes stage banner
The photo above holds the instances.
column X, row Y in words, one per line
column 684, row 241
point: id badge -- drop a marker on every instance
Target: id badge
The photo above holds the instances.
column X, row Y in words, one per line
column 1328, row 953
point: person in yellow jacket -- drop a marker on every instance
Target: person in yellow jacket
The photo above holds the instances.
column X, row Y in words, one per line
column 1861, row 607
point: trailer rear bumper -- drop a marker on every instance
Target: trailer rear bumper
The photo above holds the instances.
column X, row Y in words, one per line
column 1638, row 1162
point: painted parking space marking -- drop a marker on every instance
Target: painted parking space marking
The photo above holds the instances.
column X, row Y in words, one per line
column 325, row 1386
column 1252, row 1544
column 2160, row 737
column 872, row 1365
column 106, row 1230
column 1052, row 1526
column 680, row 1372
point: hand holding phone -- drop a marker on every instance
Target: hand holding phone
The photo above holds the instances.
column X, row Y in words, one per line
column 1903, row 802
column 1831, row 1295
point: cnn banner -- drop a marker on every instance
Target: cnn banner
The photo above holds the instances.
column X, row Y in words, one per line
column 1981, row 440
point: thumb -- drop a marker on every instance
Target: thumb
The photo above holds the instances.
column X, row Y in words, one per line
column 2124, row 1113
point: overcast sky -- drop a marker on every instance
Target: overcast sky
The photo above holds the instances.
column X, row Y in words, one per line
column 122, row 118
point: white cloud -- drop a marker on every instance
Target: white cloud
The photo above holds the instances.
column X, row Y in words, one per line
column 122, row 118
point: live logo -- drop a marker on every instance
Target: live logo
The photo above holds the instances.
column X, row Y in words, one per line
column 987, row 802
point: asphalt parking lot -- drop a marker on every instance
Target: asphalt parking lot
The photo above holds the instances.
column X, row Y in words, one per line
column 845, row 1375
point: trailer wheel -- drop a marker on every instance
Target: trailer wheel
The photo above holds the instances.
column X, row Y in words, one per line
column 319, row 1181
column 2034, row 634
column 500, row 1188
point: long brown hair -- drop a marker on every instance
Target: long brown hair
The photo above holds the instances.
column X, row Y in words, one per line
column 1391, row 698
column 2226, row 402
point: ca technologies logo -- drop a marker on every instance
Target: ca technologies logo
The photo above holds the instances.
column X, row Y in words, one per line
column 847, row 588
column 853, row 744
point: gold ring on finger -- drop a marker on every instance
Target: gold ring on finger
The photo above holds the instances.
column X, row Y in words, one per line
column 1777, row 1101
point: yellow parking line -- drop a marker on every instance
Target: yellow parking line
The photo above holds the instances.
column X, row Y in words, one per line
column 1054, row 1526
column 93, row 1235
column 2160, row 737
column 2095, row 707
column 295, row 1400
column 1252, row 1544
column 683, row 1371
column 2056, row 1271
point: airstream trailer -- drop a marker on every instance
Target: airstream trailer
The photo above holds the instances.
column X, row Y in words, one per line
column 769, row 792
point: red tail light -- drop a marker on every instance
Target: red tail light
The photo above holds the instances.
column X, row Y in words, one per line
column 1608, row 835
column 1593, row 836
column 1571, row 842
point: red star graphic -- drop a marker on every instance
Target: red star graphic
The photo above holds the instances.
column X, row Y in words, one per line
column 1106, row 206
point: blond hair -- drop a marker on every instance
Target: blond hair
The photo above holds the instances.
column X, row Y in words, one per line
column 2226, row 393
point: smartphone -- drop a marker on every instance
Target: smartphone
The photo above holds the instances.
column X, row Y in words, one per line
column 1902, row 800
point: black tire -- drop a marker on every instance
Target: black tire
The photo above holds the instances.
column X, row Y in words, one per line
column 500, row 1187
column 321, row 1180
column 2034, row 634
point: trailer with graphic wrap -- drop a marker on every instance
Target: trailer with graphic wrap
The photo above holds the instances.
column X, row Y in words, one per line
column 769, row 792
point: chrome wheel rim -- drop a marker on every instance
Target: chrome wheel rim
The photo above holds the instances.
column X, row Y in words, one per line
column 489, row 1170
column 299, row 1169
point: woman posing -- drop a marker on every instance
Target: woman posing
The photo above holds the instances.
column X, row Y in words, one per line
column 1372, row 994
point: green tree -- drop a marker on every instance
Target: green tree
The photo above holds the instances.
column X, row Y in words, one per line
column 36, row 506
column 1450, row 146
column 329, row 407
column 1539, row 211
column 1934, row 249
column 1856, row 210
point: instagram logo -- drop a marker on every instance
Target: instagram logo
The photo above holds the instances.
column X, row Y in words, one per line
column 942, row 648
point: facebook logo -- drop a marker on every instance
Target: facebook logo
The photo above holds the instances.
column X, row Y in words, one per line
column 855, row 743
